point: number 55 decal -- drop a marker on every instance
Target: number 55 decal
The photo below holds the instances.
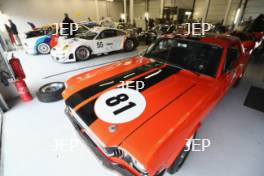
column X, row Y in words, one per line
column 100, row 45
column 120, row 105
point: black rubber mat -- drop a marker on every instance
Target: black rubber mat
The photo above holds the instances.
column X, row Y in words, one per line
column 255, row 98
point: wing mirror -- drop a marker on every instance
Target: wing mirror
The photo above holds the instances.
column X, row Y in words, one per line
column 248, row 45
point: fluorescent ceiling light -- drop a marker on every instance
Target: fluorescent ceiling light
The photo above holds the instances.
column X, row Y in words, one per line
column 146, row 15
column 123, row 16
column 188, row 13
column 237, row 15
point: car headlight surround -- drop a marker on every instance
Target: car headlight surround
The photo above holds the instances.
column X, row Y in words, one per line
column 65, row 47
column 128, row 158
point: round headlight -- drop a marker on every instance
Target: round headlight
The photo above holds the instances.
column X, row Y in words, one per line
column 66, row 47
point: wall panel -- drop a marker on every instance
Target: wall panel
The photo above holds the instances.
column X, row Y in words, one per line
column 50, row 11
column 254, row 8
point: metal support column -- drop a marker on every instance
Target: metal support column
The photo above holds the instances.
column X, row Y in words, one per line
column 227, row 12
column 242, row 8
column 161, row 8
column 97, row 10
column 125, row 10
column 207, row 6
column 131, row 11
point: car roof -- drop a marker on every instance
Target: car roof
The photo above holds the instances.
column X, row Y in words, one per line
column 100, row 29
column 223, row 40
column 220, row 39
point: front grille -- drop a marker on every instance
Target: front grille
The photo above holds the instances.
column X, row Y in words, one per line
column 118, row 153
column 114, row 152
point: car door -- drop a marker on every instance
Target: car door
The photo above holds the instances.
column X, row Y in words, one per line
column 231, row 67
column 119, row 40
column 104, row 41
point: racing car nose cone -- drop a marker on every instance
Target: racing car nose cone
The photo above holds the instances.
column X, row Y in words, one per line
column 112, row 128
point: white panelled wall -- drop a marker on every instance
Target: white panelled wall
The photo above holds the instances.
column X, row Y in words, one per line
column 51, row 11
column 216, row 11
column 254, row 8
column 232, row 12
column 199, row 9
column 154, row 8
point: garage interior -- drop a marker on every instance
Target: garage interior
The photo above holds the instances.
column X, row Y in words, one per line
column 38, row 139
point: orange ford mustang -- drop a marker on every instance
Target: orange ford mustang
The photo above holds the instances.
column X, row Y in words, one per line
column 182, row 81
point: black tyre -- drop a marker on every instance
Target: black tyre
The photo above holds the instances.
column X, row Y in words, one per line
column 178, row 162
column 50, row 92
column 130, row 45
column 43, row 48
column 82, row 53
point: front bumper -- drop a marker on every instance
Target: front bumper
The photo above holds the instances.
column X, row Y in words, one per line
column 107, row 162
column 62, row 57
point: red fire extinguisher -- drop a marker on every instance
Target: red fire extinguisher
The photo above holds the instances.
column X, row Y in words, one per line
column 17, row 68
column 23, row 90
column 19, row 82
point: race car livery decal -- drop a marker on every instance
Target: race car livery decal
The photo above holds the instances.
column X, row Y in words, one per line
column 87, row 92
column 119, row 105
column 87, row 113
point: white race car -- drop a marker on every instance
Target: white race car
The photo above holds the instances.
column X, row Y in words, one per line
column 97, row 41
column 39, row 40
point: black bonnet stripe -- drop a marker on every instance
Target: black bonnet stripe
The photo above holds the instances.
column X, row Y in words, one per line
column 87, row 92
column 87, row 114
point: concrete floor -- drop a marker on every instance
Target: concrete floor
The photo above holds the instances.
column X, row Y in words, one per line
column 39, row 140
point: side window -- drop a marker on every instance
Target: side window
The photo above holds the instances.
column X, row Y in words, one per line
column 81, row 29
column 231, row 58
column 120, row 33
column 107, row 34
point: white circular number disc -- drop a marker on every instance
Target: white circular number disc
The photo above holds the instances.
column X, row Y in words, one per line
column 120, row 105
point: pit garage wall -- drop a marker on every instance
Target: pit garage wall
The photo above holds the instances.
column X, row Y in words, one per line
column 232, row 13
column 254, row 8
column 216, row 11
column 199, row 9
column 154, row 8
column 51, row 11
column 140, row 8
column 155, row 5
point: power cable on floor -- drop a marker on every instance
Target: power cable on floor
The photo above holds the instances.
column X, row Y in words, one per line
column 57, row 74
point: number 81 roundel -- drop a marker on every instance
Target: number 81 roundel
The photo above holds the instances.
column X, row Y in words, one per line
column 120, row 105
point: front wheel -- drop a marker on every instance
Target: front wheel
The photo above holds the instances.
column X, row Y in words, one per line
column 129, row 45
column 43, row 48
column 178, row 162
column 82, row 53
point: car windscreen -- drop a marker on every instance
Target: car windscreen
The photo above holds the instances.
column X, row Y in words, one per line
column 87, row 35
column 36, row 33
column 187, row 54
column 82, row 29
